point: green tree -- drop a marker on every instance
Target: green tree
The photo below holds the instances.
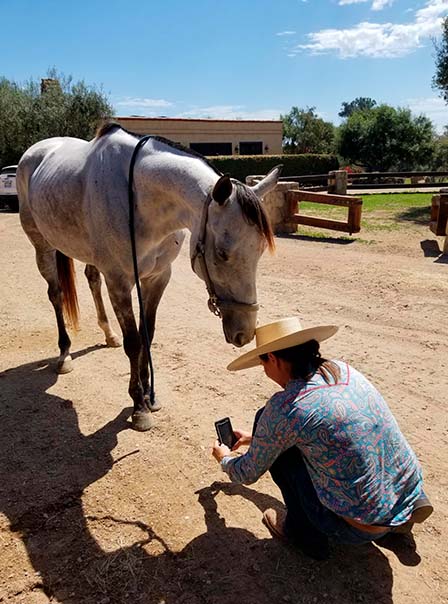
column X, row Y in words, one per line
column 361, row 103
column 386, row 138
column 440, row 158
column 53, row 107
column 440, row 79
column 305, row 132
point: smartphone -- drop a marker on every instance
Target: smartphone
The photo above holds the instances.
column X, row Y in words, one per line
column 224, row 429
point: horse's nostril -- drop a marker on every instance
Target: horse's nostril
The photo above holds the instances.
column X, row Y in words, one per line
column 240, row 339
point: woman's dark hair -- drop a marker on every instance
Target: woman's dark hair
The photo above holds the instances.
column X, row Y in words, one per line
column 306, row 360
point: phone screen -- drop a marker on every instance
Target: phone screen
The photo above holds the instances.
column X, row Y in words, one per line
column 225, row 432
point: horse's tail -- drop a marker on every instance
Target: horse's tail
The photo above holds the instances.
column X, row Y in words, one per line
column 67, row 282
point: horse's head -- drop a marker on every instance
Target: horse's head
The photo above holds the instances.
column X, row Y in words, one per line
column 233, row 233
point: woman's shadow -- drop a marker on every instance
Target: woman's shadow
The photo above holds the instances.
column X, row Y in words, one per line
column 47, row 463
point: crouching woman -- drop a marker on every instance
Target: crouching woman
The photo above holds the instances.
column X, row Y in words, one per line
column 331, row 444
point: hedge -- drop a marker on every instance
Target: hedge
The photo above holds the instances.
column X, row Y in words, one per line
column 240, row 166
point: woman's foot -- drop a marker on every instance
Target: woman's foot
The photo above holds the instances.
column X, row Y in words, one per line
column 422, row 510
column 316, row 548
column 275, row 523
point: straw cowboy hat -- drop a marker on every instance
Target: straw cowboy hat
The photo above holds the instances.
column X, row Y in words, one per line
column 279, row 335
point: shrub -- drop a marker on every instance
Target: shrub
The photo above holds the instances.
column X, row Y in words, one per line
column 240, row 166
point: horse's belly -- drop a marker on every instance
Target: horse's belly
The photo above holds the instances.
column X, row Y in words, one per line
column 63, row 230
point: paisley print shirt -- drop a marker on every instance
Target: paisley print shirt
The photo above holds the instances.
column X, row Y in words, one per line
column 360, row 463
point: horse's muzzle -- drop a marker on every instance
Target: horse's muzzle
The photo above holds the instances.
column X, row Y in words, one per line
column 239, row 327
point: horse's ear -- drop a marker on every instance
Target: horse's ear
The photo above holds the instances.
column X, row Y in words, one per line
column 222, row 190
column 269, row 181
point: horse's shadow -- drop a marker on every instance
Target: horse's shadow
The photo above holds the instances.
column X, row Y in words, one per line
column 47, row 463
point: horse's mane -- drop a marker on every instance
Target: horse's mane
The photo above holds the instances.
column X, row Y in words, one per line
column 251, row 207
column 254, row 212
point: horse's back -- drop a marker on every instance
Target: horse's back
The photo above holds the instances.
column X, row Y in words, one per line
column 42, row 167
column 50, row 189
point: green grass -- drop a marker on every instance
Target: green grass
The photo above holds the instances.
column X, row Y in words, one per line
column 380, row 212
column 391, row 201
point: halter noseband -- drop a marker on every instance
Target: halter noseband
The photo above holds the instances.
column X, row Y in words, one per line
column 215, row 304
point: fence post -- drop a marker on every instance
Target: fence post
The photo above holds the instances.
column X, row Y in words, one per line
column 277, row 205
column 337, row 182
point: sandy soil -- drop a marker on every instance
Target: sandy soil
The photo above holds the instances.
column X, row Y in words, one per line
column 93, row 512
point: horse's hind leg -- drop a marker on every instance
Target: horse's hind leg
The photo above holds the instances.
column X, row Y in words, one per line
column 94, row 278
column 47, row 265
column 120, row 296
column 152, row 290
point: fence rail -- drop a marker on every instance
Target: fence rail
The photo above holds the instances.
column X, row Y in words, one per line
column 354, row 205
column 369, row 180
column 390, row 185
column 421, row 174
column 304, row 177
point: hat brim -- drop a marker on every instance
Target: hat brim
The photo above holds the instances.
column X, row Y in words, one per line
column 252, row 358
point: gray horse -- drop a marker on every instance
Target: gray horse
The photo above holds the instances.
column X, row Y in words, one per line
column 74, row 204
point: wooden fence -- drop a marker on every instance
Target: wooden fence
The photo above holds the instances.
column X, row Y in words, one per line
column 439, row 217
column 371, row 180
column 379, row 180
column 354, row 205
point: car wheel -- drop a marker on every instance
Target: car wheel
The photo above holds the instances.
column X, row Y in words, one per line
column 14, row 204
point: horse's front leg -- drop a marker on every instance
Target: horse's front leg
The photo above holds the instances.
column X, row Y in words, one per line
column 152, row 291
column 121, row 299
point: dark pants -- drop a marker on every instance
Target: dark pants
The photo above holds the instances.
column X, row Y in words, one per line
column 308, row 522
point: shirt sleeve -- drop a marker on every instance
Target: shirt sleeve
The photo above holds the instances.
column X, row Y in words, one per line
column 272, row 437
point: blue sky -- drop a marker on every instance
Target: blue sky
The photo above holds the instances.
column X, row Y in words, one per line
column 248, row 59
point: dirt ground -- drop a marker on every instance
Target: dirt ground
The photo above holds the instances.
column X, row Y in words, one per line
column 93, row 512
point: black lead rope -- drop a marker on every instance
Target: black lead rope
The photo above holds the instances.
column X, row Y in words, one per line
column 147, row 343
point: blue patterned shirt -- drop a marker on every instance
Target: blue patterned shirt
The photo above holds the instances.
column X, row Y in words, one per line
column 360, row 464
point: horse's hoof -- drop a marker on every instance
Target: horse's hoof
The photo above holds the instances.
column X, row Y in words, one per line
column 155, row 406
column 65, row 366
column 113, row 341
column 141, row 421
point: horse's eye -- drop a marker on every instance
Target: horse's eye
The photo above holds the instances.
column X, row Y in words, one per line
column 222, row 255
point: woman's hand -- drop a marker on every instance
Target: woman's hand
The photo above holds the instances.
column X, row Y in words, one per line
column 220, row 451
column 244, row 438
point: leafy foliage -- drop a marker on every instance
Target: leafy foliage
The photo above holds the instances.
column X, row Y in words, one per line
column 440, row 79
column 30, row 113
column 361, row 103
column 440, row 158
column 293, row 165
column 385, row 138
column 305, row 132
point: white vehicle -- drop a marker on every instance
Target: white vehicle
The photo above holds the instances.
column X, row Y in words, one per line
column 8, row 190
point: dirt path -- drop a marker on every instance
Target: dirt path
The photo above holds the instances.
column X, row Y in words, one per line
column 95, row 513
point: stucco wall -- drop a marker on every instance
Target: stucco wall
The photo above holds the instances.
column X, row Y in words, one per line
column 188, row 131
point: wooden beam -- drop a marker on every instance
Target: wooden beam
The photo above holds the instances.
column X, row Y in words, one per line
column 439, row 214
column 354, row 205
column 333, row 200
column 323, row 223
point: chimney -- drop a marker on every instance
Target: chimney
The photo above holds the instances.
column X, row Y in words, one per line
column 47, row 84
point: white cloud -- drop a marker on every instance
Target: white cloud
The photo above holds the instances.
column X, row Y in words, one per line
column 380, row 4
column 345, row 2
column 285, row 33
column 380, row 39
column 376, row 5
column 232, row 112
column 433, row 107
column 143, row 103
